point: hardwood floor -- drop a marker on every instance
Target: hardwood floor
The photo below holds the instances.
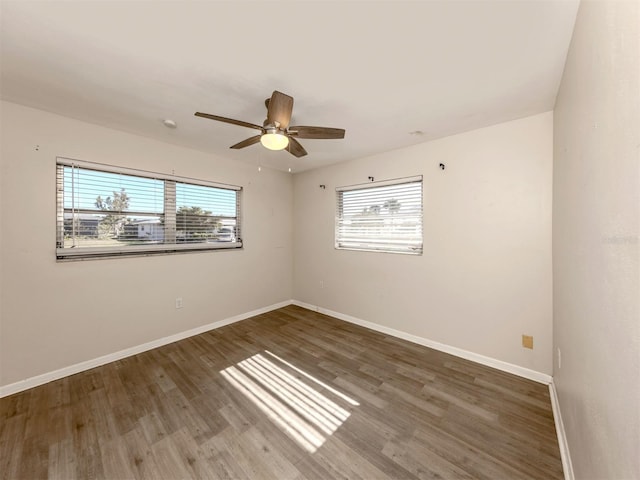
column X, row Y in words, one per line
column 290, row 394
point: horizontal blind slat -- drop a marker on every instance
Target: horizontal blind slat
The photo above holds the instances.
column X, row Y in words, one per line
column 102, row 211
column 141, row 173
column 385, row 216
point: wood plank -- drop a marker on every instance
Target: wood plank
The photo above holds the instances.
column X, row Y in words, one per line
column 376, row 406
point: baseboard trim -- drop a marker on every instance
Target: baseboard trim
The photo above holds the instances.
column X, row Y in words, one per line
column 567, row 466
column 458, row 352
column 22, row 385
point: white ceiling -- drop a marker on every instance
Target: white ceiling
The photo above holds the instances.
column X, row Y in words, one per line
column 377, row 69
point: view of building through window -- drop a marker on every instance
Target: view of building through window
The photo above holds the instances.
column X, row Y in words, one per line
column 381, row 216
column 100, row 210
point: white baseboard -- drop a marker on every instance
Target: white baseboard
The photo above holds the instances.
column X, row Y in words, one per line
column 567, row 466
column 22, row 385
column 458, row 352
column 96, row 362
column 127, row 352
column 474, row 357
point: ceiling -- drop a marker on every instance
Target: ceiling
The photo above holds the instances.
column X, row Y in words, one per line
column 380, row 70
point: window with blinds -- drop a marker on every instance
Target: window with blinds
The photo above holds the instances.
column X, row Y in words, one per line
column 381, row 216
column 105, row 211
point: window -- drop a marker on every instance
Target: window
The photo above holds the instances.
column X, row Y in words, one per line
column 381, row 216
column 104, row 211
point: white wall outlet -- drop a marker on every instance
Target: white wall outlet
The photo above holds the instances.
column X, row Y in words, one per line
column 321, row 283
column 179, row 302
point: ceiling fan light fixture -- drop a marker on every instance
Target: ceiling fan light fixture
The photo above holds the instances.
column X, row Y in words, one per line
column 275, row 132
column 274, row 140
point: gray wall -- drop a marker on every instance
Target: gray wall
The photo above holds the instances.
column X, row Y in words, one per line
column 485, row 276
column 596, row 212
column 55, row 315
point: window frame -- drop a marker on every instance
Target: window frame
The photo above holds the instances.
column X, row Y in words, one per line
column 407, row 248
column 87, row 253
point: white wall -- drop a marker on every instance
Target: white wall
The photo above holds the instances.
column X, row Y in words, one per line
column 54, row 315
column 485, row 276
column 596, row 223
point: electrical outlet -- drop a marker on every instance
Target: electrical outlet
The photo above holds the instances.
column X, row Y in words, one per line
column 527, row 341
column 179, row 302
column 559, row 359
column 321, row 283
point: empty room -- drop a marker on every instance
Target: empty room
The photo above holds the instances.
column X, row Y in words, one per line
column 320, row 239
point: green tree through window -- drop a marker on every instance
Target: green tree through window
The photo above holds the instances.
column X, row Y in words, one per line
column 113, row 223
column 195, row 223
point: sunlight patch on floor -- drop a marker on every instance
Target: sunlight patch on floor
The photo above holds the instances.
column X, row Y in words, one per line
column 304, row 413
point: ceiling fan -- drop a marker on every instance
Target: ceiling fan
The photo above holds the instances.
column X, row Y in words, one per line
column 276, row 134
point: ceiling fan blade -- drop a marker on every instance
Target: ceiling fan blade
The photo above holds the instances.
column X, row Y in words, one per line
column 228, row 120
column 294, row 148
column 316, row 132
column 279, row 109
column 245, row 143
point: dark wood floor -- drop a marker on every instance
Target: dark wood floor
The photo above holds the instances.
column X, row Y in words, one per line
column 290, row 394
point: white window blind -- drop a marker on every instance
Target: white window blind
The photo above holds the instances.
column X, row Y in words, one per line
column 380, row 216
column 107, row 211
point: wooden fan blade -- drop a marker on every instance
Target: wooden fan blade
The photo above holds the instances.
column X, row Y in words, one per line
column 294, row 148
column 279, row 109
column 245, row 143
column 316, row 132
column 228, row 120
